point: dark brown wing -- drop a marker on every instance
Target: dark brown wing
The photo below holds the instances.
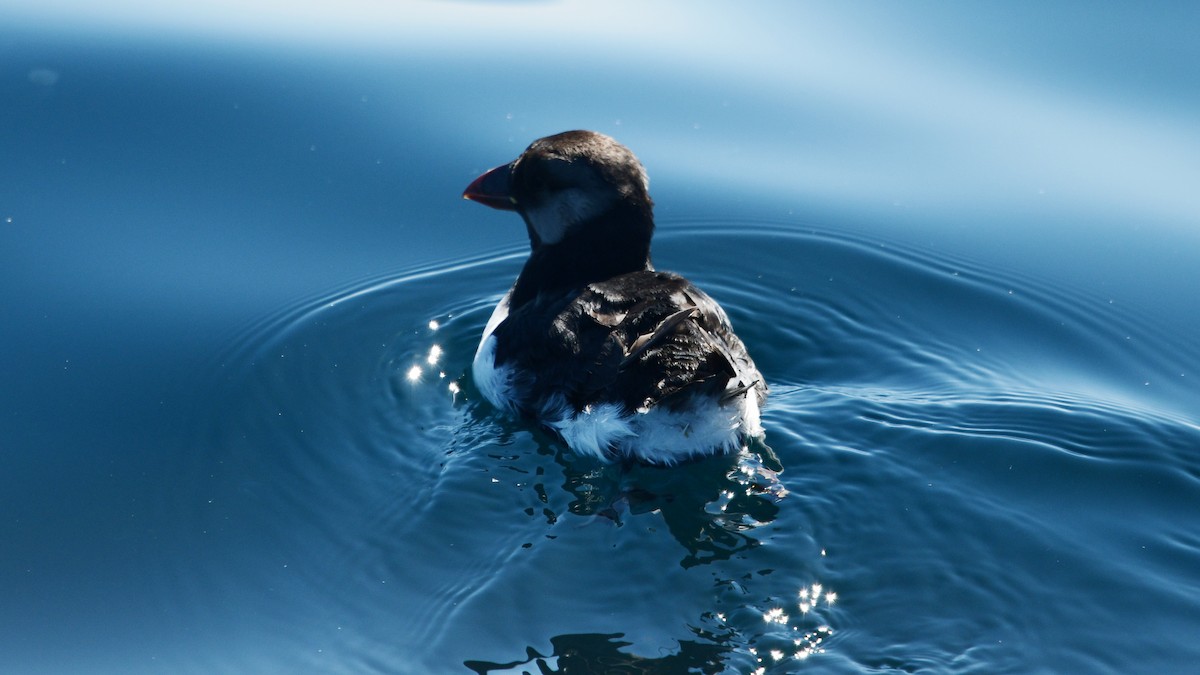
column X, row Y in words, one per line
column 642, row 339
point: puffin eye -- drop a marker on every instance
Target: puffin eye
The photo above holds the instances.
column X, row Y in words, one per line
column 556, row 174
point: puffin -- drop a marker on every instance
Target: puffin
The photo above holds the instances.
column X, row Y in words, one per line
column 623, row 362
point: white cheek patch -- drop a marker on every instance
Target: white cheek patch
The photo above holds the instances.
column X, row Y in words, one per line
column 563, row 210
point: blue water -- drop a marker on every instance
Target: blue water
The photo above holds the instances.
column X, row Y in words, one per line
column 241, row 292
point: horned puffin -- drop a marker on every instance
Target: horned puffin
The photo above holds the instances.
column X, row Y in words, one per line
column 623, row 362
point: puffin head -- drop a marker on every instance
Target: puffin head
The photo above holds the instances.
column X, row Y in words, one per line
column 568, row 185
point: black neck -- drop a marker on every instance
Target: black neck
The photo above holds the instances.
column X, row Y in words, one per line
column 618, row 242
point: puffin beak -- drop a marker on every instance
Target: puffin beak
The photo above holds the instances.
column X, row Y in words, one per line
column 491, row 189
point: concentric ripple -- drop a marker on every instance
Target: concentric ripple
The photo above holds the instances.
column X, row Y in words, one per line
column 953, row 442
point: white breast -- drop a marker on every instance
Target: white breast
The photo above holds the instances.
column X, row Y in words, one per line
column 496, row 384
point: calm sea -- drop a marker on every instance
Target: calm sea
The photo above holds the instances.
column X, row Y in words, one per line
column 241, row 292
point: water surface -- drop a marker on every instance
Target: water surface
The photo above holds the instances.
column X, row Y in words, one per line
column 243, row 293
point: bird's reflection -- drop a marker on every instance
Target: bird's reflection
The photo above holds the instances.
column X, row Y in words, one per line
column 600, row 653
column 711, row 506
